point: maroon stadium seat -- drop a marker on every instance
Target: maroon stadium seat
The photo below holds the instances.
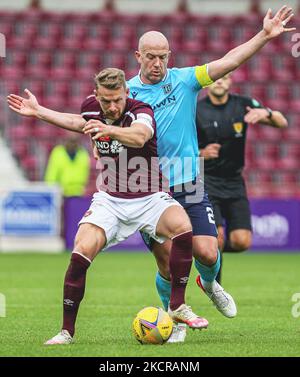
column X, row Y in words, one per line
column 266, row 155
column 38, row 64
column 267, row 133
column 20, row 149
column 20, row 132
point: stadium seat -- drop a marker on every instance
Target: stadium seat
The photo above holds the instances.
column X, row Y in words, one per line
column 82, row 88
column 73, row 37
column 20, row 149
column 283, row 68
column 30, row 165
column 38, row 64
column 284, row 184
column 292, row 132
column 19, row 132
column 267, row 133
column 91, row 60
column 266, row 155
column 44, row 131
column 289, row 156
column 48, row 36
column 294, row 104
column 9, row 72
column 195, row 40
column 35, row 86
column 11, row 86
column 58, row 88
column 260, row 68
column 258, row 91
column 259, row 183
column 74, row 103
column 115, row 59
column 240, row 75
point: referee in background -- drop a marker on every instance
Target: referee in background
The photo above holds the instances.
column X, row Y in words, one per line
column 222, row 122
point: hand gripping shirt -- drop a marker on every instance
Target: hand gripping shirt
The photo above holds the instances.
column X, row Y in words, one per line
column 126, row 172
column 173, row 101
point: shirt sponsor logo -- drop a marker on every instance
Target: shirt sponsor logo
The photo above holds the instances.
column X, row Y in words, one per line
column 169, row 101
column 107, row 147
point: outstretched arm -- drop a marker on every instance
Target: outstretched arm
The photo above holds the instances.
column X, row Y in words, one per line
column 272, row 27
column 31, row 108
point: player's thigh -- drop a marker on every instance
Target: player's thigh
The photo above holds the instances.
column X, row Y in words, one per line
column 202, row 218
column 98, row 226
column 173, row 221
column 89, row 240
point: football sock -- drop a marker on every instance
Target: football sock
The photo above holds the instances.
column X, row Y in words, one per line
column 163, row 287
column 208, row 273
column 180, row 267
column 218, row 277
column 74, row 287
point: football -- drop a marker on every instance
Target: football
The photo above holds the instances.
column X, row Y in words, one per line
column 152, row 325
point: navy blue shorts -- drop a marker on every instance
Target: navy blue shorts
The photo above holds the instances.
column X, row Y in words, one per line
column 200, row 213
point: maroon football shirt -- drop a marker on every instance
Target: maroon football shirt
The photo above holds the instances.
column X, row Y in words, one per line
column 126, row 172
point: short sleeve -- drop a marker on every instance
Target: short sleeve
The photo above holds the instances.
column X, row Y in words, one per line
column 253, row 103
column 144, row 115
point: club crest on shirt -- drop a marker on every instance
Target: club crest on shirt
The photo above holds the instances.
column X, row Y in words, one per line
column 167, row 88
column 116, row 147
column 238, row 128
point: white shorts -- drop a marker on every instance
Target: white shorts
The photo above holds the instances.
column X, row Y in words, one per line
column 120, row 218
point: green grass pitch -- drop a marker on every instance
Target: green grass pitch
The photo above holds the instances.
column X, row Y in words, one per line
column 120, row 284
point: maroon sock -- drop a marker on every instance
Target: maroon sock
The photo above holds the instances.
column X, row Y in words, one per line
column 74, row 287
column 180, row 267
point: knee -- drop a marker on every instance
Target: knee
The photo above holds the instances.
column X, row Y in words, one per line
column 81, row 246
column 207, row 253
column 209, row 257
column 241, row 242
column 88, row 244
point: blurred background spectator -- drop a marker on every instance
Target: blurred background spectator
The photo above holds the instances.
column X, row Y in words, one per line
column 69, row 166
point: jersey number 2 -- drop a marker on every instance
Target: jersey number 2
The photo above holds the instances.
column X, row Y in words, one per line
column 210, row 215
